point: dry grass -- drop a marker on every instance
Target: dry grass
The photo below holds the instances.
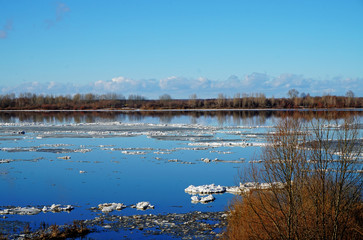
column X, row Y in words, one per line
column 257, row 216
column 3, row 237
column 77, row 229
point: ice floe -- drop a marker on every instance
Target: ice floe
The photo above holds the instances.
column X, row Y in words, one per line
column 134, row 152
column 20, row 211
column 207, row 160
column 255, row 161
column 113, row 129
column 143, row 206
column 221, row 144
column 109, row 207
column 243, row 187
column 56, row 145
column 57, row 208
column 180, row 161
column 34, row 210
column 162, row 152
column 221, row 152
column 5, row 160
column 205, row 189
column 83, row 150
column 206, row 199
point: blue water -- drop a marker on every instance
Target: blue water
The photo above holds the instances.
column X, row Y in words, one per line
column 40, row 178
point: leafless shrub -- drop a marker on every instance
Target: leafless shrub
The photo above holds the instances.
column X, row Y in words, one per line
column 322, row 198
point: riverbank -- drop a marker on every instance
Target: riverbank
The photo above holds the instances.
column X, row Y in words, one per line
column 192, row 225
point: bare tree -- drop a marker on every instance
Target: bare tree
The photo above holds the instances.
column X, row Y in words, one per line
column 318, row 165
column 349, row 98
column 221, row 100
column 293, row 93
column 349, row 94
column 165, row 97
column 193, row 100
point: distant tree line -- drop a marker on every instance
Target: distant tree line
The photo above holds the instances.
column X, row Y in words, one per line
column 90, row 101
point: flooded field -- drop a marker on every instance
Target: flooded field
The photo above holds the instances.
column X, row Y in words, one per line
column 56, row 167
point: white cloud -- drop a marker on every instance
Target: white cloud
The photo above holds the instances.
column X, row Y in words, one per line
column 182, row 83
column 255, row 79
column 118, row 79
column 122, row 84
column 182, row 87
column 52, row 85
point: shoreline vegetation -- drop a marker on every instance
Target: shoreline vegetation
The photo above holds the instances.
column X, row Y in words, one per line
column 116, row 102
column 322, row 194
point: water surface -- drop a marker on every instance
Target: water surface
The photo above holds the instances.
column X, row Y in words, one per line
column 87, row 158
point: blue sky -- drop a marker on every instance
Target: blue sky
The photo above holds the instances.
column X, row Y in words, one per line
column 181, row 47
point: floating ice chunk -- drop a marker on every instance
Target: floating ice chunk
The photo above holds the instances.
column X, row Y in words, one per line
column 206, row 199
column 144, row 205
column 83, row 150
column 161, row 152
column 57, row 208
column 262, row 186
column 173, row 160
column 5, row 160
column 243, row 188
column 260, row 144
column 255, row 161
column 221, row 144
column 68, row 208
column 195, row 199
column 206, row 160
column 21, row 211
column 4, row 212
column 109, row 207
column 205, row 189
column 236, row 190
column 27, row 211
column 134, row 152
column 249, row 184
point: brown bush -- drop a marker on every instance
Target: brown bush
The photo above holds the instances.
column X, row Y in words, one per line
column 322, row 197
column 259, row 216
